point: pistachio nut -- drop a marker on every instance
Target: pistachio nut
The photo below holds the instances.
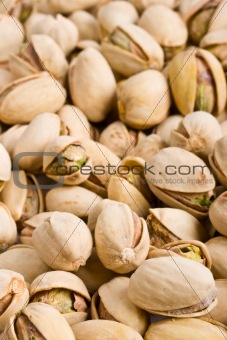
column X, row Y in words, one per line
column 164, row 129
column 141, row 5
column 10, row 137
column 23, row 259
column 87, row 25
column 129, row 49
column 191, row 135
column 94, row 274
column 34, row 321
column 165, row 226
column 11, row 36
column 26, row 97
column 8, row 228
column 74, row 200
column 90, row 75
column 201, row 85
column 217, row 248
column 68, row 240
column 65, row 292
column 60, row 6
column 219, row 312
column 14, row 295
column 111, row 302
column 94, row 329
column 6, row 77
column 5, row 168
column 187, row 184
column 22, row 196
column 30, row 142
column 218, row 161
column 42, row 53
column 68, row 156
column 216, row 215
column 192, row 250
column 138, row 98
column 59, row 28
column 168, row 28
column 147, row 284
column 187, row 329
column 121, row 238
column 115, row 13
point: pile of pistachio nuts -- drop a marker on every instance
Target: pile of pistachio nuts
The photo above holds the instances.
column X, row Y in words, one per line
column 113, row 169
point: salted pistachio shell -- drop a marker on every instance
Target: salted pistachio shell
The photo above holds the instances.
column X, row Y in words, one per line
column 11, row 36
column 115, row 13
column 122, row 242
column 35, row 320
column 217, row 249
column 87, row 25
column 6, row 77
column 143, row 4
column 148, row 147
column 217, row 214
column 74, row 200
column 147, row 284
column 191, row 135
column 219, row 312
column 14, row 295
column 130, row 49
column 10, row 137
column 113, row 296
column 24, row 260
column 91, row 74
column 186, row 329
column 164, row 129
column 69, row 156
column 138, row 99
column 68, row 240
column 30, row 142
column 26, row 97
column 8, row 228
column 5, row 168
column 94, row 329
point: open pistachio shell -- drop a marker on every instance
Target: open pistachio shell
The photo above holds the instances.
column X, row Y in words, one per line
column 24, row 260
column 10, row 137
column 14, row 295
column 186, row 329
column 217, row 214
column 217, row 248
column 112, row 303
column 164, row 129
column 121, row 238
column 91, row 74
column 8, row 228
column 104, row 329
column 147, row 284
column 87, row 25
column 216, row 42
column 218, row 161
column 5, row 168
column 26, row 97
column 219, row 313
column 68, row 239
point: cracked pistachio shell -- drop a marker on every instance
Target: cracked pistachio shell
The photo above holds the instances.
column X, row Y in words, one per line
column 8, row 228
column 11, row 36
column 75, row 122
column 138, row 98
column 218, row 212
column 74, row 200
column 91, row 74
column 14, row 295
column 31, row 142
column 217, row 248
column 16, row 198
column 148, row 282
column 184, row 88
column 24, row 260
column 218, row 161
column 115, row 13
column 164, row 129
column 42, row 319
column 26, row 97
column 87, row 25
column 5, row 167
column 57, row 147
column 6, row 77
column 169, row 182
column 191, row 135
column 148, row 147
column 219, row 313
column 113, row 296
column 186, row 329
column 10, row 137
column 216, row 43
column 67, row 239
column 121, row 238
column 130, row 50
column 104, row 329
column 94, row 274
